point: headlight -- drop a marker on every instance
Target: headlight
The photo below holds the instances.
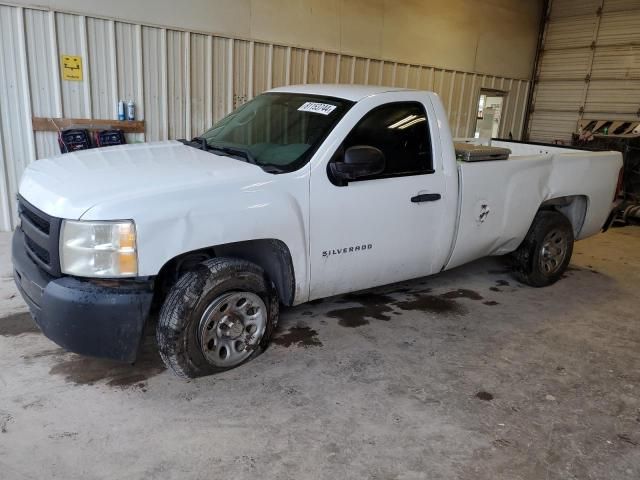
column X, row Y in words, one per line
column 98, row 249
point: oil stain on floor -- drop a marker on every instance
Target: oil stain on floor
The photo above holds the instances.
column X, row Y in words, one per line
column 298, row 336
column 462, row 293
column 353, row 317
column 17, row 324
column 82, row 370
column 379, row 306
column 431, row 303
column 486, row 396
column 372, row 306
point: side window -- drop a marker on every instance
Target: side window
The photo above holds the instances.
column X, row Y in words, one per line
column 401, row 131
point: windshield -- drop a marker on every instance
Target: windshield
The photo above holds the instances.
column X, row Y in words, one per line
column 277, row 130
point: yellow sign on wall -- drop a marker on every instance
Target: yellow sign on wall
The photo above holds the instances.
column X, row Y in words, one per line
column 71, row 67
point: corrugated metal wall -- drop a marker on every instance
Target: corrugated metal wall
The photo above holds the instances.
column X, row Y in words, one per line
column 589, row 68
column 180, row 81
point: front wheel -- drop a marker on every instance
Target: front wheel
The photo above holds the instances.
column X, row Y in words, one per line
column 216, row 317
column 546, row 251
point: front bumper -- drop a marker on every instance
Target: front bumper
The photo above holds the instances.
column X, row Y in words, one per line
column 99, row 319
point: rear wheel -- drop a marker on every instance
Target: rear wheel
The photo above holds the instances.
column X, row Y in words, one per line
column 216, row 317
column 546, row 251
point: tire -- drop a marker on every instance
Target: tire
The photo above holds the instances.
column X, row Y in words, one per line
column 545, row 253
column 224, row 303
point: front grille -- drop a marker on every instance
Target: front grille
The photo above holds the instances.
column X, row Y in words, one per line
column 41, row 236
column 40, row 252
column 42, row 224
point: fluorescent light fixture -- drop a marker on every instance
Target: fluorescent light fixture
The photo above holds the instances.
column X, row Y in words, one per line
column 404, row 120
column 412, row 122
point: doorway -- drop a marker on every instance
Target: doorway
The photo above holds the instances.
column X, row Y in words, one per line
column 489, row 115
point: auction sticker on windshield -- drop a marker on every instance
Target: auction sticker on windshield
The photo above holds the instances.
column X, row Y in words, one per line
column 315, row 107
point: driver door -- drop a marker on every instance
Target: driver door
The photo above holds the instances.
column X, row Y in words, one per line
column 381, row 228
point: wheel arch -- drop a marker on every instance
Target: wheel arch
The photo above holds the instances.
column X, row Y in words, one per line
column 272, row 255
column 573, row 207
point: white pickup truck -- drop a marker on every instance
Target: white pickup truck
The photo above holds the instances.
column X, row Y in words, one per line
column 303, row 192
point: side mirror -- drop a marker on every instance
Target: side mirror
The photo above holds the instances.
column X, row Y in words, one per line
column 359, row 161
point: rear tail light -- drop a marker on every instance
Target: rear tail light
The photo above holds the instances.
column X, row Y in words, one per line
column 620, row 185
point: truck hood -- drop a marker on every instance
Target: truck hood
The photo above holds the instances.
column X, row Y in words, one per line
column 68, row 185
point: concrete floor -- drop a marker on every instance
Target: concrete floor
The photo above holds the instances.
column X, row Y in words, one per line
column 464, row 375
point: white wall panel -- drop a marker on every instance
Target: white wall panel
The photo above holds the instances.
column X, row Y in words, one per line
column 11, row 151
column 180, row 81
column 129, row 64
column 346, row 63
column 101, row 43
column 401, row 75
column 413, row 76
column 44, row 78
column 389, row 73
column 5, row 204
column 222, row 77
column 360, row 71
column 201, row 84
column 375, row 72
column 71, row 34
column 280, row 68
column 457, row 35
column 242, row 65
column 297, row 66
column 261, row 67
column 331, row 70
column 177, row 82
column 18, row 146
column 129, row 71
column 314, row 66
column 154, row 58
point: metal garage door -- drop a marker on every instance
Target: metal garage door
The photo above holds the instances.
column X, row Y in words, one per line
column 589, row 68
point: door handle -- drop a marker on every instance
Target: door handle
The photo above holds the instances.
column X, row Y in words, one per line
column 426, row 197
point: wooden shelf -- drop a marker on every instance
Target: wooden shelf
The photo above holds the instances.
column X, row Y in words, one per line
column 48, row 124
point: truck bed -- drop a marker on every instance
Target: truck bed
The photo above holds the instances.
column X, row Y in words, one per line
column 498, row 199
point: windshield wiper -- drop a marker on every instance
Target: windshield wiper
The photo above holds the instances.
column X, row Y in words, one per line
column 271, row 168
column 236, row 151
column 196, row 142
column 201, row 143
